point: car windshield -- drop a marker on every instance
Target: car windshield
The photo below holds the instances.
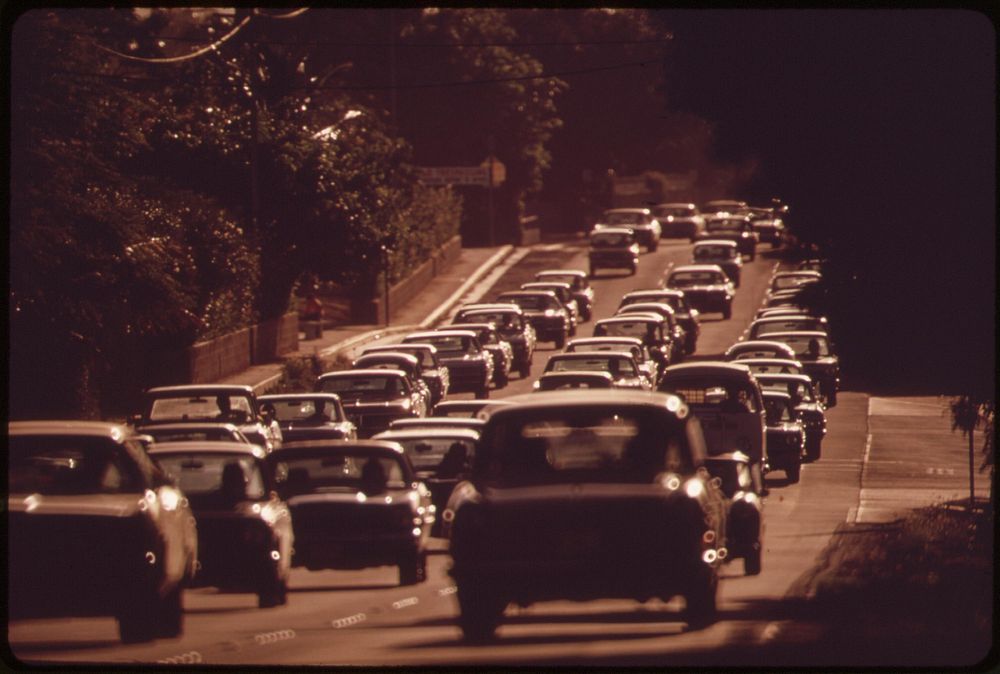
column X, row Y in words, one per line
column 200, row 474
column 709, row 394
column 610, row 240
column 799, row 391
column 549, row 383
column 534, row 302
column 786, row 282
column 617, row 367
column 624, row 218
column 778, row 410
column 714, row 252
column 787, row 325
column 309, row 410
column 70, row 466
column 807, row 347
column 570, row 446
column 574, row 281
column 622, row 329
column 363, row 386
column 675, row 211
column 334, row 471
column 724, row 225
column 427, row 453
column 218, row 434
column 184, row 407
column 685, row 279
column 503, row 320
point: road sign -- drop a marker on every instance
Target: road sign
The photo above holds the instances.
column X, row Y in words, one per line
column 454, row 175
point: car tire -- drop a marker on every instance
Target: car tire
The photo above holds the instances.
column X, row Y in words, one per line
column 501, row 378
column 699, row 599
column 793, row 472
column 140, row 620
column 831, row 398
column 413, row 569
column 632, row 270
column 727, row 312
column 483, row 392
column 736, row 281
column 751, row 563
column 170, row 619
column 560, row 341
column 813, row 449
column 572, row 330
column 653, row 246
column 273, row 592
column 592, row 271
column 525, row 370
column 480, row 612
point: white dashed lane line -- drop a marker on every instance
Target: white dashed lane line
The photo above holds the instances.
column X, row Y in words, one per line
column 349, row 620
column 265, row 638
column 404, row 603
column 189, row 658
column 451, row 589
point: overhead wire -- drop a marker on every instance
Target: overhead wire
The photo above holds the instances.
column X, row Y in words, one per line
column 187, row 57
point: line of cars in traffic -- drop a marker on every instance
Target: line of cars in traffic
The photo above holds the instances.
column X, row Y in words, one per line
column 362, row 471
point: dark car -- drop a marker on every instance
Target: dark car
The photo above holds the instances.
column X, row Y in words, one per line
column 565, row 294
column 498, row 347
column 620, row 365
column 793, row 280
column 745, row 523
column 296, row 412
column 671, row 326
column 228, row 403
column 762, row 328
column 706, row 287
column 212, row 432
column 682, row 220
column 440, row 457
column 245, row 536
column 580, row 286
column 735, row 228
column 640, row 220
column 808, row 406
column 759, row 348
column 434, row 374
column 355, row 504
column 786, row 439
column 373, row 398
column 470, row 366
column 684, row 311
column 816, row 353
column 478, row 409
column 95, row 528
column 512, row 325
column 722, row 252
column 650, row 329
column 569, row 379
column 768, row 224
column 613, row 248
column 584, row 495
column 549, row 316
column 719, row 206
column 397, row 360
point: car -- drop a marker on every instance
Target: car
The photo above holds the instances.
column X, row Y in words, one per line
column 620, row 365
column 786, row 439
column 640, row 220
column 434, row 374
column 513, row 326
column 727, row 400
column 648, row 367
column 672, row 327
column 816, row 353
column 373, row 398
column 441, row 458
column 95, row 528
column 722, row 252
column 501, row 350
column 437, row 422
column 355, row 504
column 784, row 300
column 579, row 286
column 565, row 294
column 647, row 327
column 581, row 495
column 397, row 360
column 685, row 314
column 706, row 287
column 478, row 409
column 808, row 406
column 813, row 264
column 570, row 379
column 227, row 403
column 679, row 220
column 745, row 517
column 772, row 365
column 296, row 412
column 245, row 535
column 736, row 228
column 768, row 225
column 544, row 311
column 613, row 248
column 793, row 280
column 212, row 432
column 767, row 312
column 759, row 348
column 723, row 206
column 470, row 366
column 761, row 328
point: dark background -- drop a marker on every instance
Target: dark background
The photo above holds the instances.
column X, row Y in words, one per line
column 878, row 128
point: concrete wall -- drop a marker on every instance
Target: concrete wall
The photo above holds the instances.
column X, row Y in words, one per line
column 373, row 311
column 217, row 358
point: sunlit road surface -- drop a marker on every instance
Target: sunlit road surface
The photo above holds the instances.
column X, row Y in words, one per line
column 365, row 618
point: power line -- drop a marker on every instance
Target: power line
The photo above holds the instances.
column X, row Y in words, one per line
column 187, row 57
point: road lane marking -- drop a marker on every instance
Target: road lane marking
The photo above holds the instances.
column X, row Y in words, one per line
column 349, row 620
column 273, row 637
column 854, row 515
column 403, row 603
column 189, row 658
column 451, row 589
column 770, row 632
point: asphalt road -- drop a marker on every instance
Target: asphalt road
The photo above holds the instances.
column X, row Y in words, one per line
column 365, row 618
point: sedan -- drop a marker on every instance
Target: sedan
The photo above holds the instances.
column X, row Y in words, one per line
column 295, row 412
column 619, row 364
column 579, row 283
column 706, row 287
column 470, row 366
column 373, row 398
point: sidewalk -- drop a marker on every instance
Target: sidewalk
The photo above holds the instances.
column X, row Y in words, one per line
column 428, row 307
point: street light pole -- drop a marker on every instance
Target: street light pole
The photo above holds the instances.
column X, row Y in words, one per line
column 385, row 280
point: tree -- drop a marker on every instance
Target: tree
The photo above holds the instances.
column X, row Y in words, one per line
column 969, row 412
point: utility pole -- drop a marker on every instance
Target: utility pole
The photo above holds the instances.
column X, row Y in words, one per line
column 392, row 65
column 489, row 198
column 385, row 280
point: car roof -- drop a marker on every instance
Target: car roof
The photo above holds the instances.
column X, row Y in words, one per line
column 626, row 210
column 488, row 325
column 297, row 447
column 631, row 307
column 783, row 376
column 769, row 361
column 673, row 292
column 708, row 367
column 580, row 374
column 188, row 425
column 97, row 429
column 382, row 348
column 676, row 204
column 611, row 230
column 391, row 356
column 728, row 243
column 204, row 388
column 490, row 306
column 207, row 447
column 363, row 372
column 475, row 404
column 771, row 393
column 609, row 397
column 417, row 433
column 457, row 422
column 583, row 341
column 553, row 272
column 752, row 344
column 271, row 397
column 528, row 293
column 539, row 284
column 630, row 318
column 697, row 267
column 582, row 355
column 449, row 332
column 798, row 333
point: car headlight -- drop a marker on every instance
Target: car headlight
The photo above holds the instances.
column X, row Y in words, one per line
column 549, row 313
